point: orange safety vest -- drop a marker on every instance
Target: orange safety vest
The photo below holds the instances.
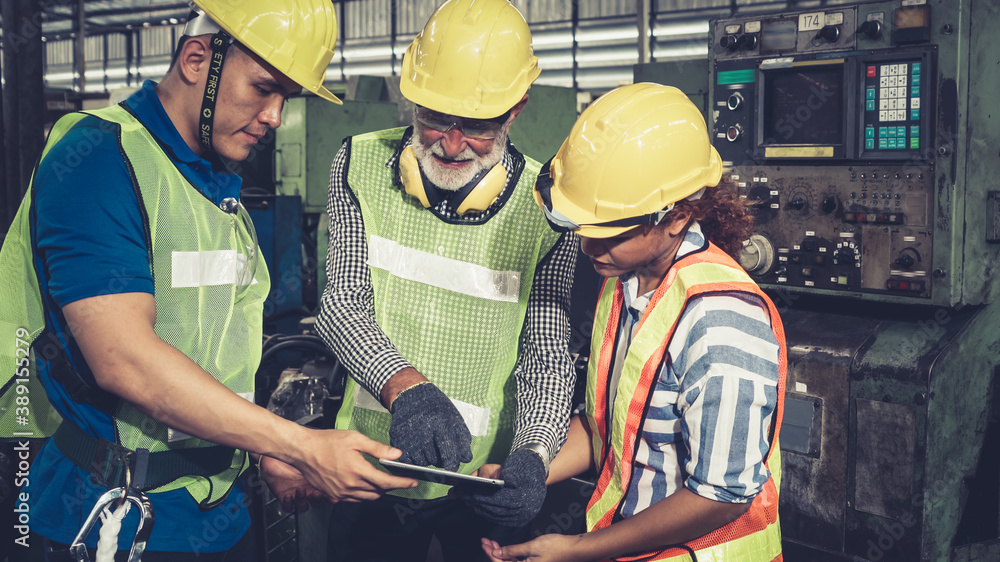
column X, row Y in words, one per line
column 754, row 536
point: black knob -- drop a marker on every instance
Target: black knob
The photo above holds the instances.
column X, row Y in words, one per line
column 829, row 204
column 829, row 33
column 845, row 255
column 759, row 194
column 871, row 28
column 729, row 42
column 735, row 101
column 798, row 203
column 747, row 42
column 905, row 261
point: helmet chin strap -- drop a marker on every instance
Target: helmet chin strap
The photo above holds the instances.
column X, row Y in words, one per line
column 220, row 45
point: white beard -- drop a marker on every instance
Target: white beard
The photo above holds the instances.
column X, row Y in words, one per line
column 450, row 179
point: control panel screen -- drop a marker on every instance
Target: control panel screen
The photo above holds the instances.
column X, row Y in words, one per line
column 804, row 106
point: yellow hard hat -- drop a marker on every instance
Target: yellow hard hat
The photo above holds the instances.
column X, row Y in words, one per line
column 630, row 156
column 472, row 59
column 296, row 37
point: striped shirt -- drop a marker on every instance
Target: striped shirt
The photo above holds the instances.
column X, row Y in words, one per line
column 710, row 413
column 544, row 373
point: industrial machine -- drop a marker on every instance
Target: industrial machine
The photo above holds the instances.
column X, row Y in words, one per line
column 863, row 133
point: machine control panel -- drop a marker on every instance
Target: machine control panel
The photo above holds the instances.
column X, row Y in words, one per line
column 833, row 145
column 856, row 228
column 812, row 31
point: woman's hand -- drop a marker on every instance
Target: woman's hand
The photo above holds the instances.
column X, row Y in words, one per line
column 546, row 548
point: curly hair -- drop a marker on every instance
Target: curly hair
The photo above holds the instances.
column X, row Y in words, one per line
column 724, row 217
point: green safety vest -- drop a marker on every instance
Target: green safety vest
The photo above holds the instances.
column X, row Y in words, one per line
column 451, row 297
column 753, row 537
column 201, row 258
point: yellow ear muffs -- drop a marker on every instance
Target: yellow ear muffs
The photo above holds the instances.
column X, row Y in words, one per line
column 480, row 197
column 476, row 197
column 409, row 174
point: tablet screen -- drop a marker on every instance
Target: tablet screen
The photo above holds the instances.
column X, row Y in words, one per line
column 437, row 475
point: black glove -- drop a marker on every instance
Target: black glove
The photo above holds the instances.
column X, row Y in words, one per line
column 523, row 492
column 427, row 427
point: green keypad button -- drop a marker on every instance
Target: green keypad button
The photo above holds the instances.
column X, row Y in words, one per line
column 915, row 91
column 870, row 94
column 869, row 132
column 915, row 80
column 883, row 143
column 870, row 105
column 892, row 143
column 883, row 132
column 914, row 115
column 914, row 142
column 916, row 67
column 892, row 132
column 915, row 131
column 870, row 144
column 900, row 131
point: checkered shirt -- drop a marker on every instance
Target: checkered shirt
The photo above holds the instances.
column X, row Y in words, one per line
column 544, row 374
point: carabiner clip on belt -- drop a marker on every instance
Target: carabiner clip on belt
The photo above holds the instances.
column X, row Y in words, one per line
column 114, row 498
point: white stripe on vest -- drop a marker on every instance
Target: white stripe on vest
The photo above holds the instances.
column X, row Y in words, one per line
column 478, row 419
column 444, row 273
column 208, row 268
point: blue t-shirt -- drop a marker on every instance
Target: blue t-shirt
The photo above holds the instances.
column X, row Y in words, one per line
column 89, row 239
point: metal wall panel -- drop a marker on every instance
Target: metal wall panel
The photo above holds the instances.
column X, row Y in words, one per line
column 591, row 9
column 541, row 11
column 683, row 5
column 117, row 44
column 59, row 52
column 157, row 41
column 412, row 16
column 606, row 36
column 367, row 18
column 94, row 48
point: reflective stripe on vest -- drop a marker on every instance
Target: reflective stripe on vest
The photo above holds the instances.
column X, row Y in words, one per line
column 212, row 314
column 452, row 298
column 755, row 536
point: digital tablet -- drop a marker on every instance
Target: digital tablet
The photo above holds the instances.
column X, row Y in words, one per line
column 437, row 475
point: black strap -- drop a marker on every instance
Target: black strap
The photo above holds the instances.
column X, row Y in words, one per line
column 220, row 44
column 108, row 462
column 61, row 370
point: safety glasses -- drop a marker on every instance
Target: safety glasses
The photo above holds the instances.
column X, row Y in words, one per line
column 247, row 248
column 561, row 223
column 479, row 129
